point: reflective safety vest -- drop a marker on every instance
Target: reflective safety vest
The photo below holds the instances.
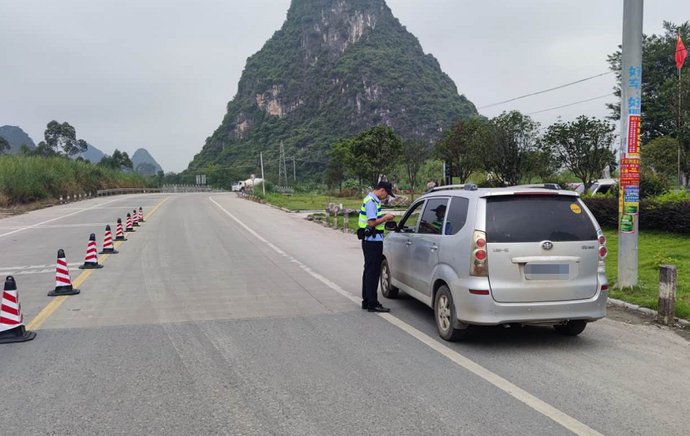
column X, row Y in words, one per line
column 363, row 213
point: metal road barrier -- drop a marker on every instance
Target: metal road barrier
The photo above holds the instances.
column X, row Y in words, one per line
column 118, row 191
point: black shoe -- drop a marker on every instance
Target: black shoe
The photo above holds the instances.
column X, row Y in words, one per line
column 364, row 305
column 379, row 308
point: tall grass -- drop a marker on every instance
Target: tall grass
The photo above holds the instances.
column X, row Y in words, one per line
column 24, row 179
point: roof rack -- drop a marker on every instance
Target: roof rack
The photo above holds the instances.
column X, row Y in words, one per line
column 554, row 186
column 466, row 187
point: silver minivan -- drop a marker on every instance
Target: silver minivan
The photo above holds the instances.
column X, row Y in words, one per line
column 531, row 254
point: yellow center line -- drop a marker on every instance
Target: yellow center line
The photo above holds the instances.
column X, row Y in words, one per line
column 43, row 315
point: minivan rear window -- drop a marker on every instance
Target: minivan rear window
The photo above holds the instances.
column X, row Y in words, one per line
column 535, row 218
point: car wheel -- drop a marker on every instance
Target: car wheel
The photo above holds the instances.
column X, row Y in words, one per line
column 387, row 289
column 571, row 328
column 444, row 312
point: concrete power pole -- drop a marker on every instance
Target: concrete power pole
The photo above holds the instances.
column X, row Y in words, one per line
column 629, row 153
column 282, row 168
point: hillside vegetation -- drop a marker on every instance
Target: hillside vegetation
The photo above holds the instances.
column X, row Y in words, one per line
column 25, row 179
column 334, row 69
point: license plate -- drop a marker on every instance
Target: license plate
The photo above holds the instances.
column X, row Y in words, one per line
column 547, row 271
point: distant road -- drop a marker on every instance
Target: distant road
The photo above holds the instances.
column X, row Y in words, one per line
column 224, row 316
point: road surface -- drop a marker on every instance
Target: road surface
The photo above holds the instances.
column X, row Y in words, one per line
column 224, row 316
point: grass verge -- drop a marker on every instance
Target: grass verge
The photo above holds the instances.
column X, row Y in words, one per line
column 655, row 248
column 297, row 202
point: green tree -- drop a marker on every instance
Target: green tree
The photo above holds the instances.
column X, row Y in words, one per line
column 414, row 154
column 4, row 145
column 340, row 160
column 61, row 139
column 122, row 158
column 542, row 163
column 118, row 161
column 660, row 156
column 658, row 68
column 515, row 137
column 375, row 152
column 464, row 146
column 583, row 146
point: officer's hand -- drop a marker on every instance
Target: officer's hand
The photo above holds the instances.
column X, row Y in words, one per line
column 388, row 217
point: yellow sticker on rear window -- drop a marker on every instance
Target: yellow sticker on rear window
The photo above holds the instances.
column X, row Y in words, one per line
column 575, row 208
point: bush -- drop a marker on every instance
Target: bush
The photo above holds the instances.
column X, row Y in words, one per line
column 655, row 214
column 652, row 185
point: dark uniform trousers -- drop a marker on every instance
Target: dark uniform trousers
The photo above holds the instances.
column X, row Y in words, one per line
column 373, row 256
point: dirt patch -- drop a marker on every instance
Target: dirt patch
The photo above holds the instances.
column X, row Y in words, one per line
column 24, row 208
column 631, row 317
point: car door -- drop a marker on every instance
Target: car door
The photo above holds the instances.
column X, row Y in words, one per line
column 397, row 244
column 425, row 243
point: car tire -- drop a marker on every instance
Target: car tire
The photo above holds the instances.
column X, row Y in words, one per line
column 387, row 288
column 445, row 316
column 571, row 328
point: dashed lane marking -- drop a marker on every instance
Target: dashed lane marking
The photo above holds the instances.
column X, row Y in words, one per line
column 44, row 314
column 21, row 229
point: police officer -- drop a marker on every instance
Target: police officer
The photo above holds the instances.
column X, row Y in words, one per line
column 371, row 221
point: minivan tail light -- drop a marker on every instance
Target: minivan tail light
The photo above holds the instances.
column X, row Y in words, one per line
column 479, row 258
column 603, row 251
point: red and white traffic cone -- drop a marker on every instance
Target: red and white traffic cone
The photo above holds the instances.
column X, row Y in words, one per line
column 11, row 320
column 128, row 224
column 135, row 218
column 63, row 282
column 91, row 259
column 141, row 215
column 119, row 233
column 108, row 247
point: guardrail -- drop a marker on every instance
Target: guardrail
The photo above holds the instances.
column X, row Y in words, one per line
column 118, row 191
column 188, row 188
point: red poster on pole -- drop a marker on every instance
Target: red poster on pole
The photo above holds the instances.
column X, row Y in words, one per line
column 634, row 135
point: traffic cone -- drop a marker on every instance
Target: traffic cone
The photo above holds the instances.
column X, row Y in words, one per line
column 119, row 234
column 141, row 215
column 11, row 320
column 135, row 218
column 63, row 282
column 128, row 223
column 108, row 247
column 91, row 259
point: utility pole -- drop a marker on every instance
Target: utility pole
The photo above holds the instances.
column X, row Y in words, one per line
column 629, row 152
column 294, row 170
column 282, row 168
column 263, row 179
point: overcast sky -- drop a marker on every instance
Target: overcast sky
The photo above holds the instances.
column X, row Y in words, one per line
column 158, row 74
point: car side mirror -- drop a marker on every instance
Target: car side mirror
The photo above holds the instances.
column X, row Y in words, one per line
column 391, row 226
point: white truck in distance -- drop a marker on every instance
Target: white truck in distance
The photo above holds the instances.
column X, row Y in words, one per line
column 246, row 185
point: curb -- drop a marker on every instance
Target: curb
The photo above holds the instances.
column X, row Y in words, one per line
column 644, row 311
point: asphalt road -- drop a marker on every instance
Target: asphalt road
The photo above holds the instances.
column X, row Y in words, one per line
column 224, row 316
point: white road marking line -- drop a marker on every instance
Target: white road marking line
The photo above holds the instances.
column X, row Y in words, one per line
column 54, row 219
column 52, row 265
column 496, row 380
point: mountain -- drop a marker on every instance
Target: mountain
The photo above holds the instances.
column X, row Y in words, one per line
column 144, row 163
column 16, row 137
column 92, row 154
column 335, row 68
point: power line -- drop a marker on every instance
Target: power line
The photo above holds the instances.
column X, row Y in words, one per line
column 546, row 90
column 570, row 104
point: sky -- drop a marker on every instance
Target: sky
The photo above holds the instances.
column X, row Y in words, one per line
column 158, row 74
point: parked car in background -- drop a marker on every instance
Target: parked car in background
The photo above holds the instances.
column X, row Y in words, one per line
column 602, row 186
column 492, row 256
